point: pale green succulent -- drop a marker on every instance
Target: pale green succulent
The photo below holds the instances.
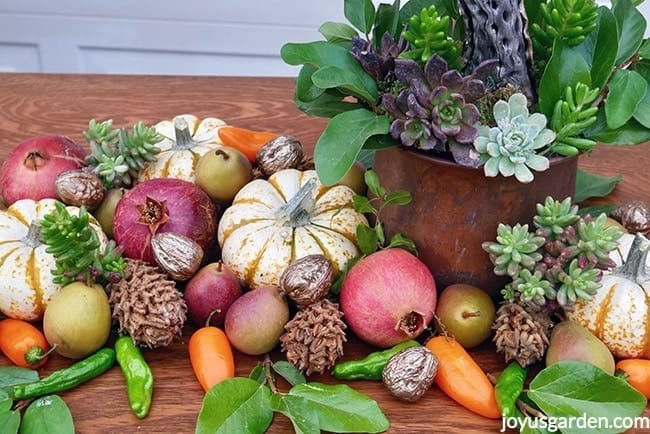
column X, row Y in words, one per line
column 515, row 249
column 512, row 147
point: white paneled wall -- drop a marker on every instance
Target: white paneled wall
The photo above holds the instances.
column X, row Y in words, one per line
column 215, row 37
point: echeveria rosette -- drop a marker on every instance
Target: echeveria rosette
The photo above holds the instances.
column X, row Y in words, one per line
column 442, row 100
column 512, row 147
column 529, row 286
column 515, row 249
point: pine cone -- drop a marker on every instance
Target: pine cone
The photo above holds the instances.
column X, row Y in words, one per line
column 147, row 305
column 522, row 332
column 313, row 339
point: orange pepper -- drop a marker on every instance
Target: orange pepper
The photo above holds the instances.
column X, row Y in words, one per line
column 637, row 372
column 23, row 343
column 461, row 378
column 211, row 356
column 248, row 142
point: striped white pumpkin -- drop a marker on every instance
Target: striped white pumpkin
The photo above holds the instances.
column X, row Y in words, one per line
column 26, row 284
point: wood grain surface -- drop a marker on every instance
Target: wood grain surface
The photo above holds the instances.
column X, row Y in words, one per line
column 33, row 104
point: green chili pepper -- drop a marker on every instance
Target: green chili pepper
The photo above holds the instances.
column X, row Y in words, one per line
column 508, row 387
column 67, row 378
column 137, row 373
column 370, row 367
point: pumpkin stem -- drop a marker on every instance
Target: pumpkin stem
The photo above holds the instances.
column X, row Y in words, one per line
column 184, row 139
column 296, row 212
column 33, row 236
column 634, row 266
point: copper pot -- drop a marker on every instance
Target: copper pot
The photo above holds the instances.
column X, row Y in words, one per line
column 456, row 208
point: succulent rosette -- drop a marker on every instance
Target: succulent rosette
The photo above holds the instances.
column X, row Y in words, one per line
column 510, row 147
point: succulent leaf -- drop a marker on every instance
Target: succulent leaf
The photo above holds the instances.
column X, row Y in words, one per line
column 428, row 35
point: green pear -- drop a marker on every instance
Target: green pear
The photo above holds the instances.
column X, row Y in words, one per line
column 571, row 341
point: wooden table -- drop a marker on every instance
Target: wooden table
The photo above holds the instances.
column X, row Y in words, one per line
column 33, row 104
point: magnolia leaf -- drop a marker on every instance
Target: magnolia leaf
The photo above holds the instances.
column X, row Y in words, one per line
column 299, row 412
column 591, row 185
column 235, row 403
column 289, row 372
column 626, row 90
column 571, row 388
column 326, row 54
column 337, row 32
column 360, row 13
column 9, row 422
column 603, row 48
column 47, row 415
column 631, row 28
column 367, row 239
column 632, row 133
column 329, row 77
column 345, row 134
column 642, row 113
column 566, row 67
column 340, row 408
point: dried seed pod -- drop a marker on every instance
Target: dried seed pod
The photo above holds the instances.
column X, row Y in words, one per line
column 634, row 216
column 409, row 373
column 178, row 255
column 307, row 279
column 79, row 188
column 283, row 152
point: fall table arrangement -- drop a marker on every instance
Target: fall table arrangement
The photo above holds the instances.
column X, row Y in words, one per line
column 113, row 247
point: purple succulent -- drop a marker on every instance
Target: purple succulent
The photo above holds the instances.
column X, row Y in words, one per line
column 378, row 64
column 438, row 103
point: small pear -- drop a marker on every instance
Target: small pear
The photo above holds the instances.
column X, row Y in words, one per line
column 571, row 341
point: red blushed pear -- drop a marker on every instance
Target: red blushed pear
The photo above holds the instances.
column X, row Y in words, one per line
column 388, row 297
column 30, row 169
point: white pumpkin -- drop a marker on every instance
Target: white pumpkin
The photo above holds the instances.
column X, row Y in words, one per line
column 186, row 139
column 619, row 254
column 26, row 284
column 619, row 312
column 273, row 222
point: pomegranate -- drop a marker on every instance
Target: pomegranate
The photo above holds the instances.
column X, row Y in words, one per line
column 388, row 297
column 31, row 167
column 163, row 205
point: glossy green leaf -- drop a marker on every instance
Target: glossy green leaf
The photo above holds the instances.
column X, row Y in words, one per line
column 299, row 411
column 631, row 133
column 386, row 21
column 289, row 372
column 644, row 51
column 329, row 77
column 341, row 409
column 590, row 185
column 12, row 375
column 596, row 210
column 306, row 91
column 367, row 239
column 362, row 204
column 315, row 101
column 336, row 32
column 47, row 415
column 631, row 28
column 257, row 373
column 233, row 404
column 360, row 13
column 323, row 54
column 626, row 90
column 345, row 134
column 566, row 67
column 573, row 389
column 603, row 48
column 9, row 422
column 642, row 113
column 5, row 401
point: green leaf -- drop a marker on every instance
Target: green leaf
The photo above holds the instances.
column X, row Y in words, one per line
column 401, row 241
column 326, row 54
column 367, row 239
column 381, row 235
column 631, row 28
column 235, row 403
column 603, row 48
column 596, row 210
column 299, row 411
column 289, row 372
column 362, row 204
column 386, row 21
column 47, row 415
column 398, row 197
column 372, row 181
column 592, row 185
column 318, row 102
column 573, row 389
column 626, row 90
column 12, row 375
column 360, row 13
column 257, row 373
column 341, row 409
column 9, row 422
column 329, row 77
column 338, row 146
column 337, row 32
column 642, row 113
column 644, row 51
column 631, row 133
column 566, row 67
column 5, row 401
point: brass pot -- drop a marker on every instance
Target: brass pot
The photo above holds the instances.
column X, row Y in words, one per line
column 456, row 208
